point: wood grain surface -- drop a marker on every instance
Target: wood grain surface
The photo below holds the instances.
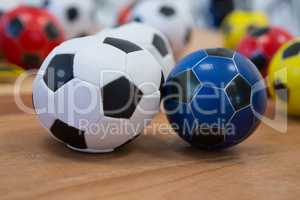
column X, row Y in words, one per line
column 158, row 165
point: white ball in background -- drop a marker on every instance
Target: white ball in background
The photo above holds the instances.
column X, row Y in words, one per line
column 152, row 40
column 108, row 11
column 281, row 13
column 96, row 94
column 6, row 5
column 37, row 3
column 76, row 16
column 169, row 17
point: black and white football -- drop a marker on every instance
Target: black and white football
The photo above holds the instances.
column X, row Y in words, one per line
column 96, row 94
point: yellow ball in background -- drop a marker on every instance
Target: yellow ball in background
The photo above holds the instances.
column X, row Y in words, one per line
column 9, row 71
column 284, row 77
column 236, row 25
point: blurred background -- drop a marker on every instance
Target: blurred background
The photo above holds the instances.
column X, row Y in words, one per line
column 283, row 13
column 206, row 12
column 80, row 18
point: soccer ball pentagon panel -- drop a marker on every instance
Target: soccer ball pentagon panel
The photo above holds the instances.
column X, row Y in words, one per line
column 284, row 75
column 76, row 16
column 166, row 16
column 92, row 95
column 214, row 98
column 152, row 40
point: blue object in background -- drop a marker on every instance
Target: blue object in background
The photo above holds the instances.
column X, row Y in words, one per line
column 214, row 98
column 219, row 9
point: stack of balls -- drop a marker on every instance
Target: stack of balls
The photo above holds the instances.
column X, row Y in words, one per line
column 273, row 50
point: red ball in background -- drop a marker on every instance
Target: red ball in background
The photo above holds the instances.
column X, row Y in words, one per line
column 28, row 35
column 260, row 45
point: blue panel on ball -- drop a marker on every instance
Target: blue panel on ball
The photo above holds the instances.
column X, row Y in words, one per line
column 259, row 98
column 216, row 70
column 211, row 105
column 180, row 117
column 189, row 62
column 243, row 125
column 247, row 69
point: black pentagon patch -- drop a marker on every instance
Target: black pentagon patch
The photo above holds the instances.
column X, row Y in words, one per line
column 281, row 90
column 120, row 98
column 239, row 93
column 220, row 52
column 257, row 32
column 31, row 60
column 123, row 45
column 208, row 137
column 59, row 71
column 51, row 31
column 69, row 135
column 260, row 61
column 72, row 14
column 15, row 27
column 167, row 11
column 137, row 19
column 160, row 45
column 292, row 50
column 188, row 36
column 183, row 87
column 45, row 3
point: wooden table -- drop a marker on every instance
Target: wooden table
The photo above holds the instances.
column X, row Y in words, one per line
column 156, row 166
